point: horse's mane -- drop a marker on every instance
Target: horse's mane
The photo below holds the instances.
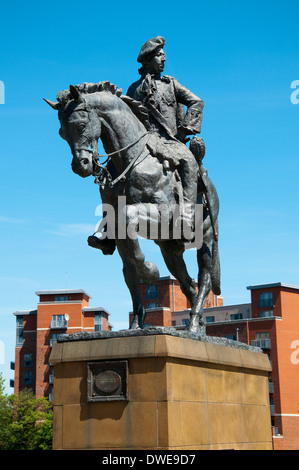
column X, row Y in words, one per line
column 88, row 88
column 140, row 111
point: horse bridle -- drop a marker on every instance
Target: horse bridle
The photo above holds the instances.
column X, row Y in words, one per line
column 100, row 178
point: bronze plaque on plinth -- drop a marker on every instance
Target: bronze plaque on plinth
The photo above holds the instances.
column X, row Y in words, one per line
column 107, row 380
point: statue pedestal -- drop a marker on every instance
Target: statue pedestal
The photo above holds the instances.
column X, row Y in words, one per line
column 158, row 392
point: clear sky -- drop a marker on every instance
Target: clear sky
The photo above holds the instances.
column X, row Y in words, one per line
column 239, row 57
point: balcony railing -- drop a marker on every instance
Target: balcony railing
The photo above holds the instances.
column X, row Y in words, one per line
column 56, row 324
column 261, row 343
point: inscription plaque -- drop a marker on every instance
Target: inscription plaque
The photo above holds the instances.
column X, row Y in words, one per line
column 107, row 380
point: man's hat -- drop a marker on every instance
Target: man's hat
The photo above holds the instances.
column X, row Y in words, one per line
column 150, row 46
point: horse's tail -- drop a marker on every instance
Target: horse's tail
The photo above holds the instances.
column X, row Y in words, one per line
column 209, row 232
column 215, row 270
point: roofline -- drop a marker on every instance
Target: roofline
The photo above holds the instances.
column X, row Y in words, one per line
column 25, row 312
column 95, row 309
column 166, row 278
column 274, row 284
column 223, row 307
column 62, row 291
column 243, row 320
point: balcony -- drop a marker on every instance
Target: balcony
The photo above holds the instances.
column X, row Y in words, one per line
column 60, row 323
column 261, row 343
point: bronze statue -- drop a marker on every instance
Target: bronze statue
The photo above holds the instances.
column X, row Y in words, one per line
column 149, row 171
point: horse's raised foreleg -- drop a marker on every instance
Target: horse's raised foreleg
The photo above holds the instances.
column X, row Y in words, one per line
column 172, row 252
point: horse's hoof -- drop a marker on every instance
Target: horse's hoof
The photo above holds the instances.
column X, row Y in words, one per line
column 196, row 325
column 135, row 326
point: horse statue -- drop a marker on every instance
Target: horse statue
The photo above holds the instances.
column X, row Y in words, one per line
column 135, row 174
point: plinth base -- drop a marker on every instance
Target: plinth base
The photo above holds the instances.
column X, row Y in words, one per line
column 159, row 392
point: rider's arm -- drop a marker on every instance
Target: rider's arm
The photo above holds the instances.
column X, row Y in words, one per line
column 191, row 123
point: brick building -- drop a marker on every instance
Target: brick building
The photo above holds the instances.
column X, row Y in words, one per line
column 162, row 300
column 58, row 311
column 270, row 321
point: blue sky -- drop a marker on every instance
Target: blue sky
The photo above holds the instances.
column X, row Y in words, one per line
column 239, row 57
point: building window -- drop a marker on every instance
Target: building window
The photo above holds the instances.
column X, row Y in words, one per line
column 263, row 335
column 98, row 322
column 185, row 321
column 51, row 395
column 152, row 305
column 61, row 298
column 27, row 360
column 266, row 313
column 20, row 330
column 265, row 299
column 58, row 321
column 27, row 378
column 210, row 319
column 262, row 340
column 53, row 339
column 152, row 292
column 236, row 316
column 233, row 337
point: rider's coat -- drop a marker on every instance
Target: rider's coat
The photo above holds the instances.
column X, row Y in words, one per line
column 165, row 99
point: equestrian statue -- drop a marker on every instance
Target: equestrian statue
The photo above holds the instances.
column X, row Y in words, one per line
column 151, row 179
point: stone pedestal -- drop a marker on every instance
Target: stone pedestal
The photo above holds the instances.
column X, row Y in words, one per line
column 159, row 392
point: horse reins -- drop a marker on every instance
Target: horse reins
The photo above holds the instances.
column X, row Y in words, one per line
column 96, row 157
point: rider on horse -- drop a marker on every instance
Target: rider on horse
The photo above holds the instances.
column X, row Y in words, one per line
column 164, row 98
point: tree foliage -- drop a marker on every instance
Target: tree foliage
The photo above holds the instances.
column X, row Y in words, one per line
column 25, row 421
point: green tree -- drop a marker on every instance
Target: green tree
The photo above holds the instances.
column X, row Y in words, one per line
column 6, row 414
column 25, row 421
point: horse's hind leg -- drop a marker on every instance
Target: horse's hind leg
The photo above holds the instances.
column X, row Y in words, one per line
column 206, row 261
column 172, row 252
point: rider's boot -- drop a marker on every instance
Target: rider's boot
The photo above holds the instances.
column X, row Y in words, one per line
column 106, row 245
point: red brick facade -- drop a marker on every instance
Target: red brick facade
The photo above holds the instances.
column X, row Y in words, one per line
column 167, row 297
column 57, row 312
